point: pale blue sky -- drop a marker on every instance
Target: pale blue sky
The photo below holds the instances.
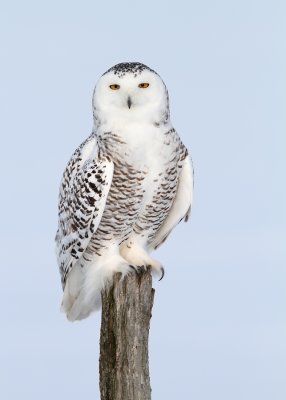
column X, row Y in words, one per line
column 219, row 327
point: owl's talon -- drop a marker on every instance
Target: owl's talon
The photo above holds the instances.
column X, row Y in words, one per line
column 139, row 269
column 142, row 269
column 163, row 273
column 134, row 269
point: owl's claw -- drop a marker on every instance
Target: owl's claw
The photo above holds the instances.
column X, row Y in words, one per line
column 162, row 274
column 139, row 269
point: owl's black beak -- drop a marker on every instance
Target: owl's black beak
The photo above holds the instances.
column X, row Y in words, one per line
column 129, row 102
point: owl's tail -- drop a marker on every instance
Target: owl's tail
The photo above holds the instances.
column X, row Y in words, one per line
column 82, row 293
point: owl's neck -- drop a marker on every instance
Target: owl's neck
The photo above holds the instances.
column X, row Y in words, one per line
column 113, row 119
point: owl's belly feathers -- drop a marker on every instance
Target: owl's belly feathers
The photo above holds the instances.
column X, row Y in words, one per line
column 143, row 188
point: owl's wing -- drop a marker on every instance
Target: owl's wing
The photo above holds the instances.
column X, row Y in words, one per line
column 83, row 192
column 181, row 207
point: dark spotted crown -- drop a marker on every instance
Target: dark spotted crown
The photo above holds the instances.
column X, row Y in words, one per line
column 122, row 69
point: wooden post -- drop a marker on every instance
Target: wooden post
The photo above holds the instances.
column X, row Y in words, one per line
column 126, row 313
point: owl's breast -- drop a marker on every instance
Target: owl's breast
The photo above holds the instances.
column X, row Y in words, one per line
column 144, row 184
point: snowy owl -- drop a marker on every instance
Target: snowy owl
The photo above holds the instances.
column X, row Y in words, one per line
column 124, row 189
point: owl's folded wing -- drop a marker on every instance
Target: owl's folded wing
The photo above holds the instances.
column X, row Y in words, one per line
column 181, row 206
column 84, row 189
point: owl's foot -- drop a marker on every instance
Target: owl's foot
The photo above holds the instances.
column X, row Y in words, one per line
column 140, row 260
column 140, row 269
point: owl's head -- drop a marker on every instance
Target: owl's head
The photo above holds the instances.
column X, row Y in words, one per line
column 131, row 92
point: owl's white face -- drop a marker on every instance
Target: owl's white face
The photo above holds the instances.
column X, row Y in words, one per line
column 131, row 92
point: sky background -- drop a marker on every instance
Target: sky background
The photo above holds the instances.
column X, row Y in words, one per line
column 218, row 330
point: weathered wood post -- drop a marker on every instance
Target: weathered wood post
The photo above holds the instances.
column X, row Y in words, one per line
column 124, row 362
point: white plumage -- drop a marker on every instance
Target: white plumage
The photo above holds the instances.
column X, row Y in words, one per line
column 124, row 189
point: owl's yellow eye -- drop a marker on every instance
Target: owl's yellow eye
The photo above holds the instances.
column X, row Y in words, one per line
column 114, row 87
column 143, row 85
